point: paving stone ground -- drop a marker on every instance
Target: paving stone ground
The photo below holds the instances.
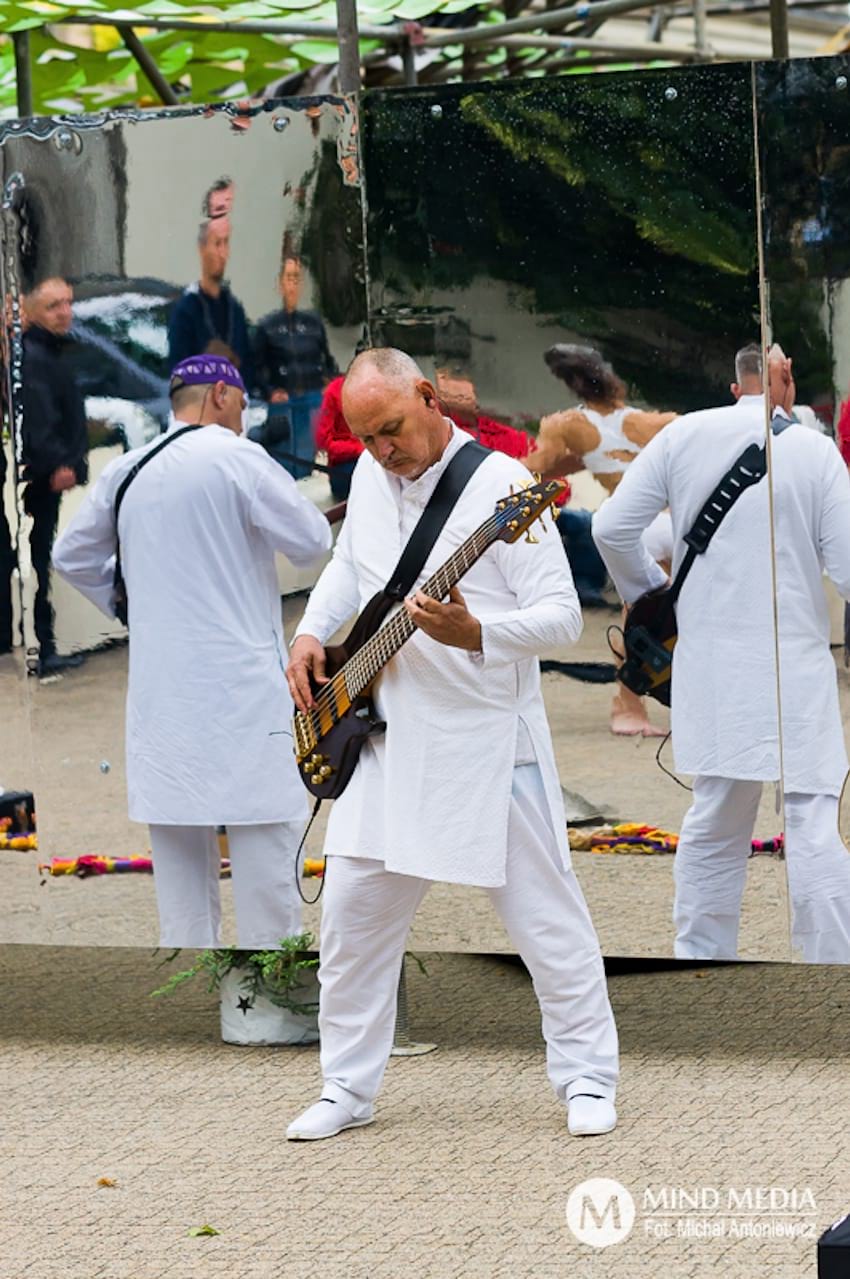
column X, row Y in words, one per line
column 732, row 1077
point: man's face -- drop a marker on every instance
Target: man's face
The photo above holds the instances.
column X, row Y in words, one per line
column 403, row 430
column 215, row 250
column 50, row 307
column 220, row 202
column 290, row 285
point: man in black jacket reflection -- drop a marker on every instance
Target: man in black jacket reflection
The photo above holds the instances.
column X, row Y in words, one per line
column 55, row 445
column 293, row 364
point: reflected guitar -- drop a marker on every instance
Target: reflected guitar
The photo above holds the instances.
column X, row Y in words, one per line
column 650, row 632
column 328, row 738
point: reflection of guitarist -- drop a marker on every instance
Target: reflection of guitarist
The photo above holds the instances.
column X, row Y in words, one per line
column 724, row 705
column 463, row 785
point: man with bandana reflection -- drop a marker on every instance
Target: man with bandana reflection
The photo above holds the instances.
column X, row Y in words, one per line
column 724, row 692
column 207, row 317
column 55, row 445
column 209, row 740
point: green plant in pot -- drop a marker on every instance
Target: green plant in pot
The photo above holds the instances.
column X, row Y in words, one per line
column 265, row 996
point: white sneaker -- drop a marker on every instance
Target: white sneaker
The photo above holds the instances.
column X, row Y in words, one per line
column 589, row 1116
column 324, row 1119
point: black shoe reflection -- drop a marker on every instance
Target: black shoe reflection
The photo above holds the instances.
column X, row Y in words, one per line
column 55, row 663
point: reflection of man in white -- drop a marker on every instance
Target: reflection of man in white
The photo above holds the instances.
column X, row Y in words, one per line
column 463, row 786
column 208, row 711
column 724, row 704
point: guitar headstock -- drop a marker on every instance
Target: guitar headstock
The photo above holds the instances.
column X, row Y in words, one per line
column 518, row 511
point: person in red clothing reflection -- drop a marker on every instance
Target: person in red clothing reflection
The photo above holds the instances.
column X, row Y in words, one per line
column 458, row 401
column 334, row 437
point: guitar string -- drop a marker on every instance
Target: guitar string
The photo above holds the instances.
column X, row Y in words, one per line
column 383, row 645
column 387, row 641
column 361, row 669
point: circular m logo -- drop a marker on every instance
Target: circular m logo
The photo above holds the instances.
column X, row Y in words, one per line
column 600, row 1212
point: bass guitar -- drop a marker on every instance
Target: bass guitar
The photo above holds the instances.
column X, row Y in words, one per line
column 328, row 738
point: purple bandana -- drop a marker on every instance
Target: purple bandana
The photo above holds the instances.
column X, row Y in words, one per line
column 197, row 370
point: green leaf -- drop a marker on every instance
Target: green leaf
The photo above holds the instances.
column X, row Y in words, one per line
column 196, row 1231
column 410, row 10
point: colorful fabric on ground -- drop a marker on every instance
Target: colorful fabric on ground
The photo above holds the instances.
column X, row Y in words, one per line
column 629, row 837
column 19, row 838
column 626, row 837
column 18, row 841
column 96, row 864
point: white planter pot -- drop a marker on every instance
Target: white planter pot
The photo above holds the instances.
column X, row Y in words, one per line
column 254, row 1019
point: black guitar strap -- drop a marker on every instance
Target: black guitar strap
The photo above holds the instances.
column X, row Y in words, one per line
column 118, row 576
column 649, row 643
column 421, row 542
column 432, row 520
column 746, row 470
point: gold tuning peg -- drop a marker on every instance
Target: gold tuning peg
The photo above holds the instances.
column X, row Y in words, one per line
column 531, row 539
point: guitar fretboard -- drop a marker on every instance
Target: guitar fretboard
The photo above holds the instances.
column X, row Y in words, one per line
column 360, row 670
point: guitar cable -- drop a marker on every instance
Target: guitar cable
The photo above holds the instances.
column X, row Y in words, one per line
column 664, row 768
column 668, row 772
column 309, row 901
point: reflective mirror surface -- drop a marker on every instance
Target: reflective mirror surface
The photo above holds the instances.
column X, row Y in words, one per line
column 804, row 118
column 615, row 213
column 573, row 262
column 177, row 232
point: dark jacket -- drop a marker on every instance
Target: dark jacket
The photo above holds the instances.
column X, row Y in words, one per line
column 291, row 353
column 196, row 319
column 54, row 429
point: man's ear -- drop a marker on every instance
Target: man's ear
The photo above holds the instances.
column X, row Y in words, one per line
column 735, row 389
column 426, row 390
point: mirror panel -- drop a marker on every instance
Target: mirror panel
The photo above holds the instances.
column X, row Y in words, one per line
column 804, row 124
column 616, row 212
column 152, row 201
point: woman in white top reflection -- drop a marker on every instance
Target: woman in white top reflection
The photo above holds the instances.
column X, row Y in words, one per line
column 603, row 435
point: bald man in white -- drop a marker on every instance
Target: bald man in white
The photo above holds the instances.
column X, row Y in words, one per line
column 463, row 786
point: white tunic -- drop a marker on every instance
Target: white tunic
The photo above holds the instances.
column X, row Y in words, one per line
column 724, row 702
column 209, row 738
column 430, row 797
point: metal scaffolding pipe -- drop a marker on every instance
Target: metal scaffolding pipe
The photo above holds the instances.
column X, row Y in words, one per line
column 23, row 72
column 700, row 34
column 779, row 28
column 250, row 26
column 348, row 40
column 148, row 65
column 570, row 44
column 434, row 37
column 408, row 56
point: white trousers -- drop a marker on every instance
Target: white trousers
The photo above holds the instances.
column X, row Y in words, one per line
column 710, row 871
column 365, row 921
column 186, row 863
